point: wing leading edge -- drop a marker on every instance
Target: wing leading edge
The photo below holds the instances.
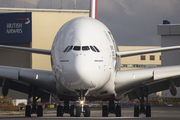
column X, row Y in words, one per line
column 145, row 51
column 25, row 49
column 155, row 79
column 41, row 78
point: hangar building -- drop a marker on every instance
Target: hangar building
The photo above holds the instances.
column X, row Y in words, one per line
column 170, row 36
column 140, row 61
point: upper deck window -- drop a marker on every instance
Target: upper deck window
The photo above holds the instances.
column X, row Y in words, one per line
column 85, row 48
column 77, row 48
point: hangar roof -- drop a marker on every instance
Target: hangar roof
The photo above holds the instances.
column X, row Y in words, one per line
column 42, row 10
column 169, row 29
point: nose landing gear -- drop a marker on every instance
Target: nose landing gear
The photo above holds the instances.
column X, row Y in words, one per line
column 75, row 111
column 82, row 108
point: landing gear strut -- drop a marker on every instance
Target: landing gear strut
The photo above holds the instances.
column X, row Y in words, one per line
column 114, row 109
column 82, row 108
column 35, row 109
column 75, row 110
column 142, row 109
column 61, row 110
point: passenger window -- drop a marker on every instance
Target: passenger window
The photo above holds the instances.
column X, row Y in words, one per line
column 92, row 48
column 96, row 49
column 84, row 48
column 77, row 48
column 66, row 49
column 70, row 48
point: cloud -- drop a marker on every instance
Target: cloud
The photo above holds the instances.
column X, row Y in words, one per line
column 124, row 4
column 134, row 7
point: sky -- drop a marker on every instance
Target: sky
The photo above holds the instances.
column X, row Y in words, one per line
column 132, row 22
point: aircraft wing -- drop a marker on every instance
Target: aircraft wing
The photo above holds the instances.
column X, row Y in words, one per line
column 152, row 79
column 21, row 79
column 25, row 49
column 145, row 51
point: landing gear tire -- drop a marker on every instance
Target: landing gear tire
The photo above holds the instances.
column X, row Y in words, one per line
column 136, row 111
column 59, row 111
column 118, row 111
column 148, row 110
column 105, row 111
column 72, row 111
column 40, row 111
column 86, row 111
column 77, row 111
column 28, row 111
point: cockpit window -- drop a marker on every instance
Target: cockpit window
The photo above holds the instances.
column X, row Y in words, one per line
column 92, row 48
column 85, row 48
column 68, row 48
column 96, row 49
column 77, row 48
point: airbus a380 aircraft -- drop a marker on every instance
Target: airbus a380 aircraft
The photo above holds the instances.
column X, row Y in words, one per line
column 86, row 67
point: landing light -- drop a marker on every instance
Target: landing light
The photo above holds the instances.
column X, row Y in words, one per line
column 82, row 102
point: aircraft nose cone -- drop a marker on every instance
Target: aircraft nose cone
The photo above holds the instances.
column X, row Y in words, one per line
column 85, row 73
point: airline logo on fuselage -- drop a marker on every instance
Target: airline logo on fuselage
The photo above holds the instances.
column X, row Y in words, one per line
column 107, row 36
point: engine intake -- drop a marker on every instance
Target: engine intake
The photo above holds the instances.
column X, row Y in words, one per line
column 172, row 88
column 5, row 87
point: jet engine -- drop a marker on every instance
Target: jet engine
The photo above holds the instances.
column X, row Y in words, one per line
column 172, row 88
column 5, row 87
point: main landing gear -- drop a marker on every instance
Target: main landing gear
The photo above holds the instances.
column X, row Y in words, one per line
column 75, row 111
column 113, row 109
column 141, row 109
column 35, row 109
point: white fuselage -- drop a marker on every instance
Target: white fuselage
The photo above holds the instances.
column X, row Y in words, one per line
column 81, row 66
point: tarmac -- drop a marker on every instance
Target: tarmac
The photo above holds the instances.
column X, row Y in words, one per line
column 157, row 113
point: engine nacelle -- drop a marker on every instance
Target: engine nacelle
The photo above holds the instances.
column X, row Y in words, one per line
column 5, row 87
column 172, row 88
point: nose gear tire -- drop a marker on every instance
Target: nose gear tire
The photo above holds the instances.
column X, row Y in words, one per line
column 86, row 111
column 77, row 111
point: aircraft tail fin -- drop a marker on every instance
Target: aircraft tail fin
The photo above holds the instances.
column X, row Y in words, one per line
column 93, row 9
